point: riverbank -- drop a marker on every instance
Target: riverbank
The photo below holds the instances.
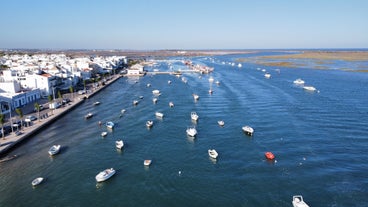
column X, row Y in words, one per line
column 14, row 139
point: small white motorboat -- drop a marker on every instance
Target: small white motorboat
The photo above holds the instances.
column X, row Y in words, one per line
column 267, row 75
column 149, row 123
column 148, row 85
column 110, row 124
column 96, row 103
column 298, row 201
column 212, row 153
column 135, row 102
column 309, row 88
column 171, row 104
column 221, row 123
column 191, row 131
column 147, row 162
column 299, row 81
column 119, row 144
column 217, row 82
column 169, row 81
column 194, row 116
column 248, row 130
column 141, row 97
column 195, row 96
column 54, row 149
column 88, row 116
column 103, row 134
column 156, row 92
column 154, row 100
column 122, row 111
column 159, row 114
column 104, row 175
column 37, row 181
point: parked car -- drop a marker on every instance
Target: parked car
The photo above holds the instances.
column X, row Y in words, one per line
column 30, row 118
column 41, row 108
column 81, row 92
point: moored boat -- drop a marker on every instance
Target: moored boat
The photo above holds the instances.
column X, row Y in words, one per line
column 309, row 88
column 270, row 155
column 104, row 175
column 195, row 96
column 212, row 153
column 119, row 144
column 156, row 92
column 298, row 201
column 194, row 116
column 96, row 103
column 37, row 181
column 248, row 130
column 298, row 81
column 110, row 124
column 88, row 116
column 135, row 102
column 159, row 114
column 54, row 149
column 221, row 122
column 171, row 104
column 191, row 131
column 154, row 100
column 103, row 134
column 267, row 75
column 147, row 162
column 149, row 123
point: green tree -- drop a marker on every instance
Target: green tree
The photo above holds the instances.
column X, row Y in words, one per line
column 59, row 95
column 49, row 98
column 37, row 107
column 71, row 89
column 2, row 121
column 20, row 114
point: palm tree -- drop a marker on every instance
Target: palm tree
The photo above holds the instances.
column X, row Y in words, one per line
column 37, row 107
column 20, row 113
column 2, row 121
column 71, row 91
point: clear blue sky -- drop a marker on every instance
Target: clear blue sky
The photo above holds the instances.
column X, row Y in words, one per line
column 183, row 24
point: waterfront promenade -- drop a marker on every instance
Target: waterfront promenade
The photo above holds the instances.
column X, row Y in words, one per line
column 12, row 140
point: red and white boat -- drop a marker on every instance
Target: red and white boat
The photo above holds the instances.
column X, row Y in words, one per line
column 270, row 155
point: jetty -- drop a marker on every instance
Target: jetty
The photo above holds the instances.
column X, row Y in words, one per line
column 14, row 139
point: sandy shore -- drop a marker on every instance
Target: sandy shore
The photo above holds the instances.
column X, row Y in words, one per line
column 324, row 55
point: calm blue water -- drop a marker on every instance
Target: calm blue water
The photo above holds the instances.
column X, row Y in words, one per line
column 319, row 140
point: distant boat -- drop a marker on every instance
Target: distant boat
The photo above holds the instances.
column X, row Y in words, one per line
column 194, row 116
column 149, row 123
column 169, row 81
column 212, row 153
column 148, row 85
column 298, row 201
column 147, row 162
column 248, row 130
column 299, row 81
column 8, row 158
column 119, row 144
column 171, row 104
column 37, row 181
column 88, row 116
column 54, row 149
column 267, row 75
column 159, row 114
column 221, row 122
column 96, row 103
column 110, row 124
column 135, row 102
column 123, row 111
column 210, row 91
column 141, row 97
column 104, row 175
column 211, row 79
column 270, row 155
column 191, row 131
column 195, row 96
column 218, row 82
column 239, row 65
column 156, row 92
column 154, row 100
column 103, row 134
column 309, row 88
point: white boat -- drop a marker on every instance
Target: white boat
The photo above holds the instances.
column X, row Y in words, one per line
column 103, row 134
column 298, row 201
column 89, row 115
column 154, row 100
column 267, row 75
column 110, row 124
column 141, row 97
column 171, row 104
column 218, row 82
column 159, row 114
column 148, row 85
column 210, row 91
column 194, row 116
column 195, row 96
column 248, row 130
column 211, row 79
column 212, row 153
column 37, row 181
column 147, row 162
column 119, row 144
column 169, row 81
column 149, row 123
column 156, row 92
column 191, row 131
column 135, row 102
column 123, row 111
column 221, row 122
column 104, row 175
column 96, row 103
column 54, row 149
column 309, row 88
column 299, row 81
column 239, row 65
